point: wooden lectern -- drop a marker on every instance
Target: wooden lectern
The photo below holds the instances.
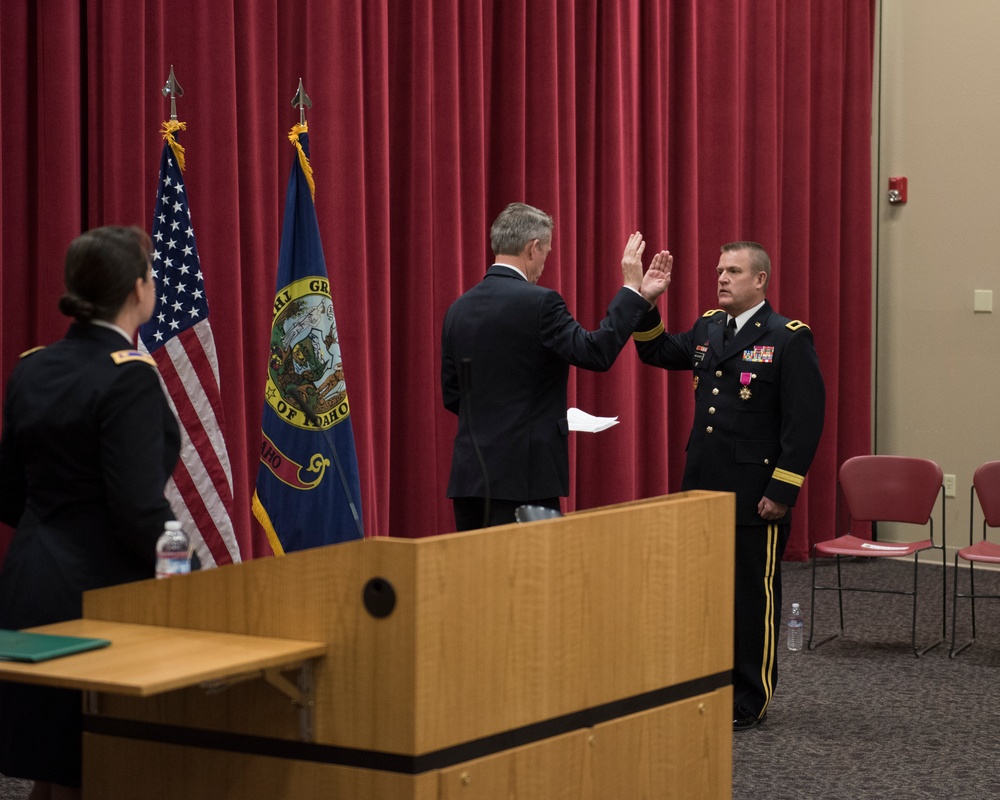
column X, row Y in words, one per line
column 587, row 656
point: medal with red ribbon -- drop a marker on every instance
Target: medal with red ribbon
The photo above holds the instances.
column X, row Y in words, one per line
column 745, row 378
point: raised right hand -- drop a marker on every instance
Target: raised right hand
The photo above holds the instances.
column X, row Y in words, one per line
column 657, row 277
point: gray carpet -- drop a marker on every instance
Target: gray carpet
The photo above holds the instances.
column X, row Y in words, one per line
column 12, row 789
column 861, row 717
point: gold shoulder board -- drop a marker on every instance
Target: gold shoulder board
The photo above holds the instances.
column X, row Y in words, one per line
column 712, row 313
column 32, row 350
column 128, row 356
column 795, row 324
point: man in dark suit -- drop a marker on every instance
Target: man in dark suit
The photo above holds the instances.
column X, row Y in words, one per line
column 506, row 348
column 759, row 404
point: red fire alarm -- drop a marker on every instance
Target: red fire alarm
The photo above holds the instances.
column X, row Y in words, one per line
column 897, row 190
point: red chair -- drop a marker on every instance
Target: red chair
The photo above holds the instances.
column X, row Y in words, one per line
column 985, row 486
column 886, row 489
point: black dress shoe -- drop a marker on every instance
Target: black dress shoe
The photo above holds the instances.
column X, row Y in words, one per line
column 744, row 720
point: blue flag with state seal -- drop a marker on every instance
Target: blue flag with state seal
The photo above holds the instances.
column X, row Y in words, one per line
column 307, row 492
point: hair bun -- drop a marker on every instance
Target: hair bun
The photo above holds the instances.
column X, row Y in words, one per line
column 72, row 305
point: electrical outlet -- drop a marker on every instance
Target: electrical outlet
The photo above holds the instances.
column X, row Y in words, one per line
column 949, row 485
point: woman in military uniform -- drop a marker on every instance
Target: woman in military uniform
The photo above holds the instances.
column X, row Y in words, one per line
column 88, row 444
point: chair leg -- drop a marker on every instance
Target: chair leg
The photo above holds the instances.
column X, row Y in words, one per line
column 954, row 611
column 972, row 599
column 972, row 596
column 917, row 652
column 812, row 608
column 840, row 595
column 913, row 627
column 944, row 592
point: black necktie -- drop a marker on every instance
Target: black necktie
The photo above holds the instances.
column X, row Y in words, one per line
column 730, row 332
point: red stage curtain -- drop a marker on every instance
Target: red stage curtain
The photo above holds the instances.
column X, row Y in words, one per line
column 695, row 123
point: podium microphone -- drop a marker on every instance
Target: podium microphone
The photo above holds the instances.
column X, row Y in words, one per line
column 465, row 393
column 300, row 398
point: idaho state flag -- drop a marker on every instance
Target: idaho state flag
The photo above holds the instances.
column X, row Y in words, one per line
column 308, row 493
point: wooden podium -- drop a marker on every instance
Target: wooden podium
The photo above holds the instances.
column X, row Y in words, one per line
column 587, row 656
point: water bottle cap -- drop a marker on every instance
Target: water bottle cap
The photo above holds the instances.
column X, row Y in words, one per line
column 172, row 525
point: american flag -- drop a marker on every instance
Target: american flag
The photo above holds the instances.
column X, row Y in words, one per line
column 179, row 338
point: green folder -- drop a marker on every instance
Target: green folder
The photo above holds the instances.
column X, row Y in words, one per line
column 21, row 646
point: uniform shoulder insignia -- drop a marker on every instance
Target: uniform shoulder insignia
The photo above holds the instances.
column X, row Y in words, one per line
column 128, row 356
column 712, row 312
column 32, row 350
column 795, row 324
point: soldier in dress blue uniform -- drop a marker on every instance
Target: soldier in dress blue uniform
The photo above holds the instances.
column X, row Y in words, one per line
column 89, row 442
column 759, row 404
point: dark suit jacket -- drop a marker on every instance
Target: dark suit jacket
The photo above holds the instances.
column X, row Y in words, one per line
column 758, row 442
column 521, row 341
column 87, row 447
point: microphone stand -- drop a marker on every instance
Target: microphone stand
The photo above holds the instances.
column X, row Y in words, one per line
column 300, row 398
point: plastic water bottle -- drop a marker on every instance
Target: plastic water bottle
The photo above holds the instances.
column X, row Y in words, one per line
column 795, row 626
column 173, row 551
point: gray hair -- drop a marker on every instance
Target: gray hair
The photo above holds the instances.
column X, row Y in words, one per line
column 517, row 225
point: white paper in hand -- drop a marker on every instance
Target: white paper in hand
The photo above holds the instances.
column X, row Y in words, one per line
column 582, row 421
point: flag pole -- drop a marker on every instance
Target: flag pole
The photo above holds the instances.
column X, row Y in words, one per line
column 173, row 90
column 301, row 101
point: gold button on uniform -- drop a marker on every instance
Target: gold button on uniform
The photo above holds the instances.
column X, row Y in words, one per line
column 715, row 390
column 708, row 429
column 711, row 410
column 718, row 373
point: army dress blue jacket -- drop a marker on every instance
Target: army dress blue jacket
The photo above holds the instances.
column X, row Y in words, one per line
column 759, row 404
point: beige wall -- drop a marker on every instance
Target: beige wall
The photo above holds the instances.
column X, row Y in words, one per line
column 937, row 362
